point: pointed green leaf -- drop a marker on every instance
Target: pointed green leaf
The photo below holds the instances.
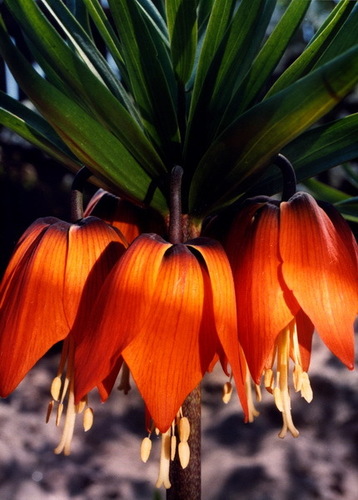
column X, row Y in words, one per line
column 151, row 75
column 32, row 127
column 324, row 147
column 317, row 47
column 269, row 56
column 183, row 32
column 324, row 192
column 106, row 31
column 349, row 208
column 225, row 58
column 83, row 44
column 247, row 147
column 154, row 15
column 345, row 38
column 94, row 96
column 92, row 143
column 313, row 152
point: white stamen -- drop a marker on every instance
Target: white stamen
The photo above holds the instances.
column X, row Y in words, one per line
column 145, row 449
column 164, row 464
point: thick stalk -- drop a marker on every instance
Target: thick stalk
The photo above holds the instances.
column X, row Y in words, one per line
column 288, row 175
column 175, row 221
column 77, row 193
column 186, row 483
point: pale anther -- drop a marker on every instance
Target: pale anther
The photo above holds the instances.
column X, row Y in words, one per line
column 87, row 419
column 184, row 453
column 173, row 447
column 145, row 449
column 227, row 392
column 56, row 388
column 184, row 429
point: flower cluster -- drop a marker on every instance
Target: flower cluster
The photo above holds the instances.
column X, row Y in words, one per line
column 123, row 298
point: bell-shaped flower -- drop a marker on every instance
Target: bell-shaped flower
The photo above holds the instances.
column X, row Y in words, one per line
column 169, row 311
column 50, row 284
column 130, row 219
column 295, row 269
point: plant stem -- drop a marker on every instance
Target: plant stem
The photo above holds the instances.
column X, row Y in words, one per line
column 175, row 222
column 77, row 193
column 186, row 483
column 288, row 175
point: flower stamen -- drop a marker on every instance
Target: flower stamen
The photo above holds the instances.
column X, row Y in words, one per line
column 173, row 440
column 60, row 389
column 287, row 346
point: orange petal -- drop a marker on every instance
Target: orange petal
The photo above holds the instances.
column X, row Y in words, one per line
column 26, row 242
column 305, row 329
column 165, row 357
column 262, row 309
column 105, row 387
column 32, row 316
column 119, row 213
column 93, row 249
column 320, row 268
column 224, row 309
column 119, row 311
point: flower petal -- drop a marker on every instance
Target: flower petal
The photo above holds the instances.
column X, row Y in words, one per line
column 32, row 317
column 224, row 309
column 93, row 249
column 305, row 329
column 321, row 270
column 262, row 297
column 118, row 312
column 165, row 357
column 119, row 213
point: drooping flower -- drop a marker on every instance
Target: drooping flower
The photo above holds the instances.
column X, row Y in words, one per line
column 169, row 311
column 130, row 219
column 295, row 269
column 50, row 284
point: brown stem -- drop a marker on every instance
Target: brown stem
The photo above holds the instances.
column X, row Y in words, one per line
column 288, row 175
column 77, row 193
column 186, row 483
column 175, row 222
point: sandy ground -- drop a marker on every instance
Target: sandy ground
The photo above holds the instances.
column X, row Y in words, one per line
column 240, row 461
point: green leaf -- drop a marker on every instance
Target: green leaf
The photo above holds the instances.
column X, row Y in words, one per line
column 245, row 149
column 183, row 33
column 155, row 16
column 270, row 54
column 349, row 208
column 106, row 31
column 324, row 192
column 83, row 44
column 317, row 47
column 324, row 147
column 151, row 76
column 219, row 21
column 231, row 42
column 313, row 152
column 92, row 143
column 347, row 205
column 94, row 96
column 345, row 38
column 32, row 127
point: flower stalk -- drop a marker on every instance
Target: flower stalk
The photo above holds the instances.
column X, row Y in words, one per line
column 77, row 193
column 175, row 222
column 186, row 483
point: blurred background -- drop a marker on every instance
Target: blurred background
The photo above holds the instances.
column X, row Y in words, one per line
column 240, row 461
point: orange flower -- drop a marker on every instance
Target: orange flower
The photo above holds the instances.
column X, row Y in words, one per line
column 169, row 310
column 130, row 219
column 48, row 287
column 295, row 268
